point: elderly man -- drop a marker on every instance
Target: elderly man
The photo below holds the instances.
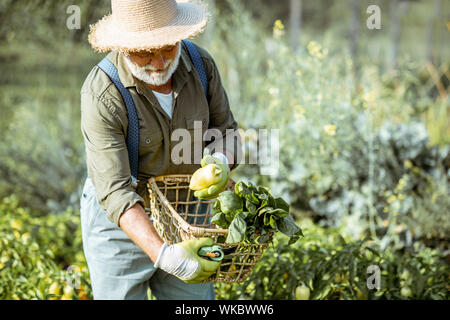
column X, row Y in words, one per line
column 156, row 69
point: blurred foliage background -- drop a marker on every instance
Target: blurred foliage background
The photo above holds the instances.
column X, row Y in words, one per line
column 363, row 117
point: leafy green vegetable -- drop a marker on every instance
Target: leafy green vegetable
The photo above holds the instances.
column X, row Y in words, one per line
column 220, row 220
column 237, row 229
column 229, row 204
column 252, row 214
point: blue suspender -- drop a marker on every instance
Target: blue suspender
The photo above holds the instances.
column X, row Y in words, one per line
column 198, row 65
column 133, row 122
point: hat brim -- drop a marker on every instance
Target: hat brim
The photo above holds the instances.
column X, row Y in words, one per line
column 106, row 36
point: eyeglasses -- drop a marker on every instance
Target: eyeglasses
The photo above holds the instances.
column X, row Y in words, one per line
column 146, row 53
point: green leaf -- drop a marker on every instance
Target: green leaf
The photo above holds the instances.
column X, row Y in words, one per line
column 230, row 203
column 39, row 295
column 253, row 198
column 273, row 222
column 250, row 207
column 221, row 239
column 250, row 233
column 288, row 227
column 216, row 207
column 262, row 211
column 241, row 189
column 281, row 204
column 263, row 238
column 237, row 229
column 220, row 220
column 262, row 196
column 264, row 203
column 244, row 214
column 266, row 219
column 280, row 213
column 264, row 190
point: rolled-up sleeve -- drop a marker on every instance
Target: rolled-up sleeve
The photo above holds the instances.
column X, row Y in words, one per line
column 106, row 155
column 221, row 116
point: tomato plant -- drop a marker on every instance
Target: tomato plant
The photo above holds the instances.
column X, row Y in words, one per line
column 36, row 252
column 334, row 267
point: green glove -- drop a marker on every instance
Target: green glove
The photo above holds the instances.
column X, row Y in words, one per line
column 182, row 260
column 207, row 267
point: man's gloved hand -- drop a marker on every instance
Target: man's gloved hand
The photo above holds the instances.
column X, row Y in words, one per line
column 181, row 260
column 212, row 178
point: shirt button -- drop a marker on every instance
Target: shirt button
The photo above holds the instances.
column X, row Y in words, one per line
column 147, row 141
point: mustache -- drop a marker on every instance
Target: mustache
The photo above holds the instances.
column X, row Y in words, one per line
column 151, row 68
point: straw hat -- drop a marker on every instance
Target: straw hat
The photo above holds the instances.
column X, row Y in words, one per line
column 147, row 24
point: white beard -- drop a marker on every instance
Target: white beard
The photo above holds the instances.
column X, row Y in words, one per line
column 155, row 78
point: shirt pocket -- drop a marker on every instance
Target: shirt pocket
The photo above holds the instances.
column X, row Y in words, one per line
column 149, row 142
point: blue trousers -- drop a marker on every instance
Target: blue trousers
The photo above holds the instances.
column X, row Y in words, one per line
column 118, row 268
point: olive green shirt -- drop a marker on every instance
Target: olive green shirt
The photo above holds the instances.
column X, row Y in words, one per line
column 104, row 128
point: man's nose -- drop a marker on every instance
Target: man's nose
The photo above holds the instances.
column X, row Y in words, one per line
column 158, row 62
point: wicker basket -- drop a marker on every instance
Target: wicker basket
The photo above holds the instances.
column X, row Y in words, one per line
column 178, row 215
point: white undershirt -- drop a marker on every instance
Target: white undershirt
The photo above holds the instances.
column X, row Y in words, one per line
column 165, row 100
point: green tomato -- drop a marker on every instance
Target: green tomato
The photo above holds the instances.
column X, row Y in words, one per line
column 326, row 276
column 405, row 275
column 406, row 292
column 302, row 292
